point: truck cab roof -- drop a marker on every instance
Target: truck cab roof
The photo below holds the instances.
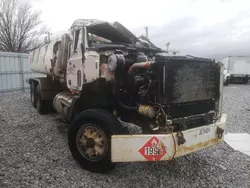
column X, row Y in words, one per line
column 114, row 32
column 101, row 28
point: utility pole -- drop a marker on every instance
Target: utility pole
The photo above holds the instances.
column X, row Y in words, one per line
column 167, row 45
column 49, row 36
column 146, row 28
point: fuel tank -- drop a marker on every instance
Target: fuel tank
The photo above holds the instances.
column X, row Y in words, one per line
column 62, row 102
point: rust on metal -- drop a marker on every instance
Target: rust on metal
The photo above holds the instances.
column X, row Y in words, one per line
column 131, row 148
column 180, row 138
column 182, row 150
column 106, row 73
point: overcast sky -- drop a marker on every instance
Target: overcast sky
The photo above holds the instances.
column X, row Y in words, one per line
column 210, row 28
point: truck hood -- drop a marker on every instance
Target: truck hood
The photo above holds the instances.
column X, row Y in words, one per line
column 103, row 29
column 115, row 32
column 139, row 42
column 125, row 32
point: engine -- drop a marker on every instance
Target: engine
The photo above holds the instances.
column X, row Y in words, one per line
column 180, row 91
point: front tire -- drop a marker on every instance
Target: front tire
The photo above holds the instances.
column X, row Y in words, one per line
column 89, row 139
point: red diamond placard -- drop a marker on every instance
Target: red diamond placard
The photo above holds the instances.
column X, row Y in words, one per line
column 153, row 149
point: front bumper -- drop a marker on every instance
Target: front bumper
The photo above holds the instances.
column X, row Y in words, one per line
column 160, row 147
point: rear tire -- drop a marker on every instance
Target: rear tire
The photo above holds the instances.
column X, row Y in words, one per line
column 40, row 104
column 33, row 94
column 94, row 157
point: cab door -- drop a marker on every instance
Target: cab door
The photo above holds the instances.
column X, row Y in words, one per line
column 91, row 65
column 74, row 73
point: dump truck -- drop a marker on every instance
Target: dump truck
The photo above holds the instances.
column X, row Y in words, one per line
column 238, row 67
column 101, row 78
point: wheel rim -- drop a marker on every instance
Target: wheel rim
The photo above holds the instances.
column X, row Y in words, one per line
column 91, row 142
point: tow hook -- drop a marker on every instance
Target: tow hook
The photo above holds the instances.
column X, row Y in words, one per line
column 180, row 138
column 219, row 132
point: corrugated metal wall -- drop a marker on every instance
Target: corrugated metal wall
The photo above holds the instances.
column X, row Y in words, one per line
column 14, row 70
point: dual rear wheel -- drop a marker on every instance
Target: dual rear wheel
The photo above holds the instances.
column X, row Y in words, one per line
column 42, row 106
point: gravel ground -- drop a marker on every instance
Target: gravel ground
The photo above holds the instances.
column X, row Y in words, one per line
column 34, row 153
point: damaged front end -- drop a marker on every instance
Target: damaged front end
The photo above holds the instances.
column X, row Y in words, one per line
column 176, row 100
column 181, row 93
column 160, row 147
column 181, row 107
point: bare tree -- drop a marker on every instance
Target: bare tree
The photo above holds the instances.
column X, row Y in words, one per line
column 20, row 27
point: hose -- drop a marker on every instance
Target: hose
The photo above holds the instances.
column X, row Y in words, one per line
column 145, row 65
column 171, row 131
column 125, row 106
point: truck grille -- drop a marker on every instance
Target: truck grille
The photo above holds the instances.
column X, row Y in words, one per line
column 190, row 108
column 187, row 86
column 193, row 121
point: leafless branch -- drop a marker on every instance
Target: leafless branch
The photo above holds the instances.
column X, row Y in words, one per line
column 20, row 27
